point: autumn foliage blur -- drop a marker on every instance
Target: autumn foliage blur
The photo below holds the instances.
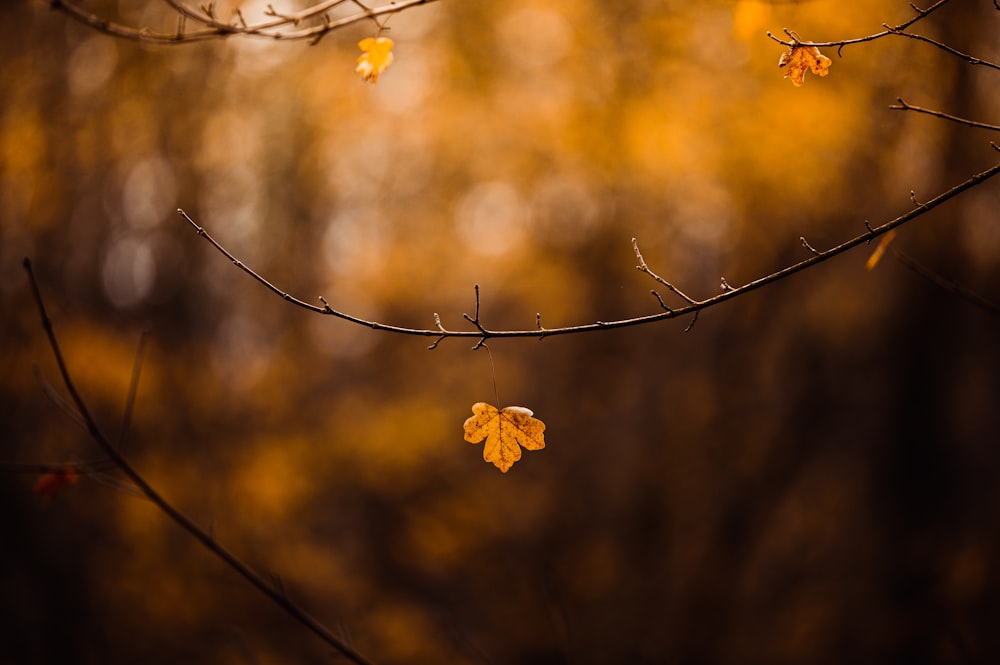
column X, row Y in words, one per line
column 807, row 475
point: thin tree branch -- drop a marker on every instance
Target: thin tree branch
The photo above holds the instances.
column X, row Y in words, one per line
column 971, row 59
column 893, row 30
column 58, row 400
column 694, row 306
column 279, row 27
column 947, row 284
column 133, row 390
column 642, row 267
column 897, row 30
column 904, row 106
column 255, row 579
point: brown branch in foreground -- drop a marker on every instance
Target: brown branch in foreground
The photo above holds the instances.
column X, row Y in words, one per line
column 693, row 307
column 904, row 106
column 266, row 587
column 278, row 26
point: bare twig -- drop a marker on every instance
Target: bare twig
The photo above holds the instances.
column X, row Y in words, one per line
column 205, row 539
column 971, row 59
column 694, row 320
column 486, row 334
column 890, row 30
column 947, row 284
column 58, row 399
column 133, row 389
column 904, row 106
column 693, row 306
column 805, row 243
column 279, row 26
column 793, row 41
column 642, row 267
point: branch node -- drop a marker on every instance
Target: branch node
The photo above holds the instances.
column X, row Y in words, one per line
column 725, row 285
column 805, row 243
column 642, row 267
column 475, row 321
column 660, row 300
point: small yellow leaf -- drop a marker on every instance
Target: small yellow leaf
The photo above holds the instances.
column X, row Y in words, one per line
column 803, row 57
column 504, row 430
column 879, row 252
column 376, row 58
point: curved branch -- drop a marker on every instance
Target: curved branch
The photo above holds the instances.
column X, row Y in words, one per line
column 948, row 284
column 693, row 306
column 971, row 59
column 904, row 106
column 275, row 594
column 893, row 30
column 212, row 28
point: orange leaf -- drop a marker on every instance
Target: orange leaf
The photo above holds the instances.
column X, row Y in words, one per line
column 51, row 483
column 504, row 430
column 803, row 57
column 376, row 58
column 879, row 252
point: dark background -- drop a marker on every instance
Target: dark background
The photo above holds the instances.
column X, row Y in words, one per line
column 806, row 476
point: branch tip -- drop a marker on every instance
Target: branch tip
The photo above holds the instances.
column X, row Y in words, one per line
column 659, row 299
column 694, row 320
column 805, row 243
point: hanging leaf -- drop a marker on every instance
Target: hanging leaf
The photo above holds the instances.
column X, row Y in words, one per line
column 506, row 431
column 376, row 58
column 803, row 57
column 51, row 483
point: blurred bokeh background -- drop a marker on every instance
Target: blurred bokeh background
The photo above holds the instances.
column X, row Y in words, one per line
column 809, row 475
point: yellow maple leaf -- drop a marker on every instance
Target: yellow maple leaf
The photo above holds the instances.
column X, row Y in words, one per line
column 802, row 57
column 376, row 58
column 503, row 430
